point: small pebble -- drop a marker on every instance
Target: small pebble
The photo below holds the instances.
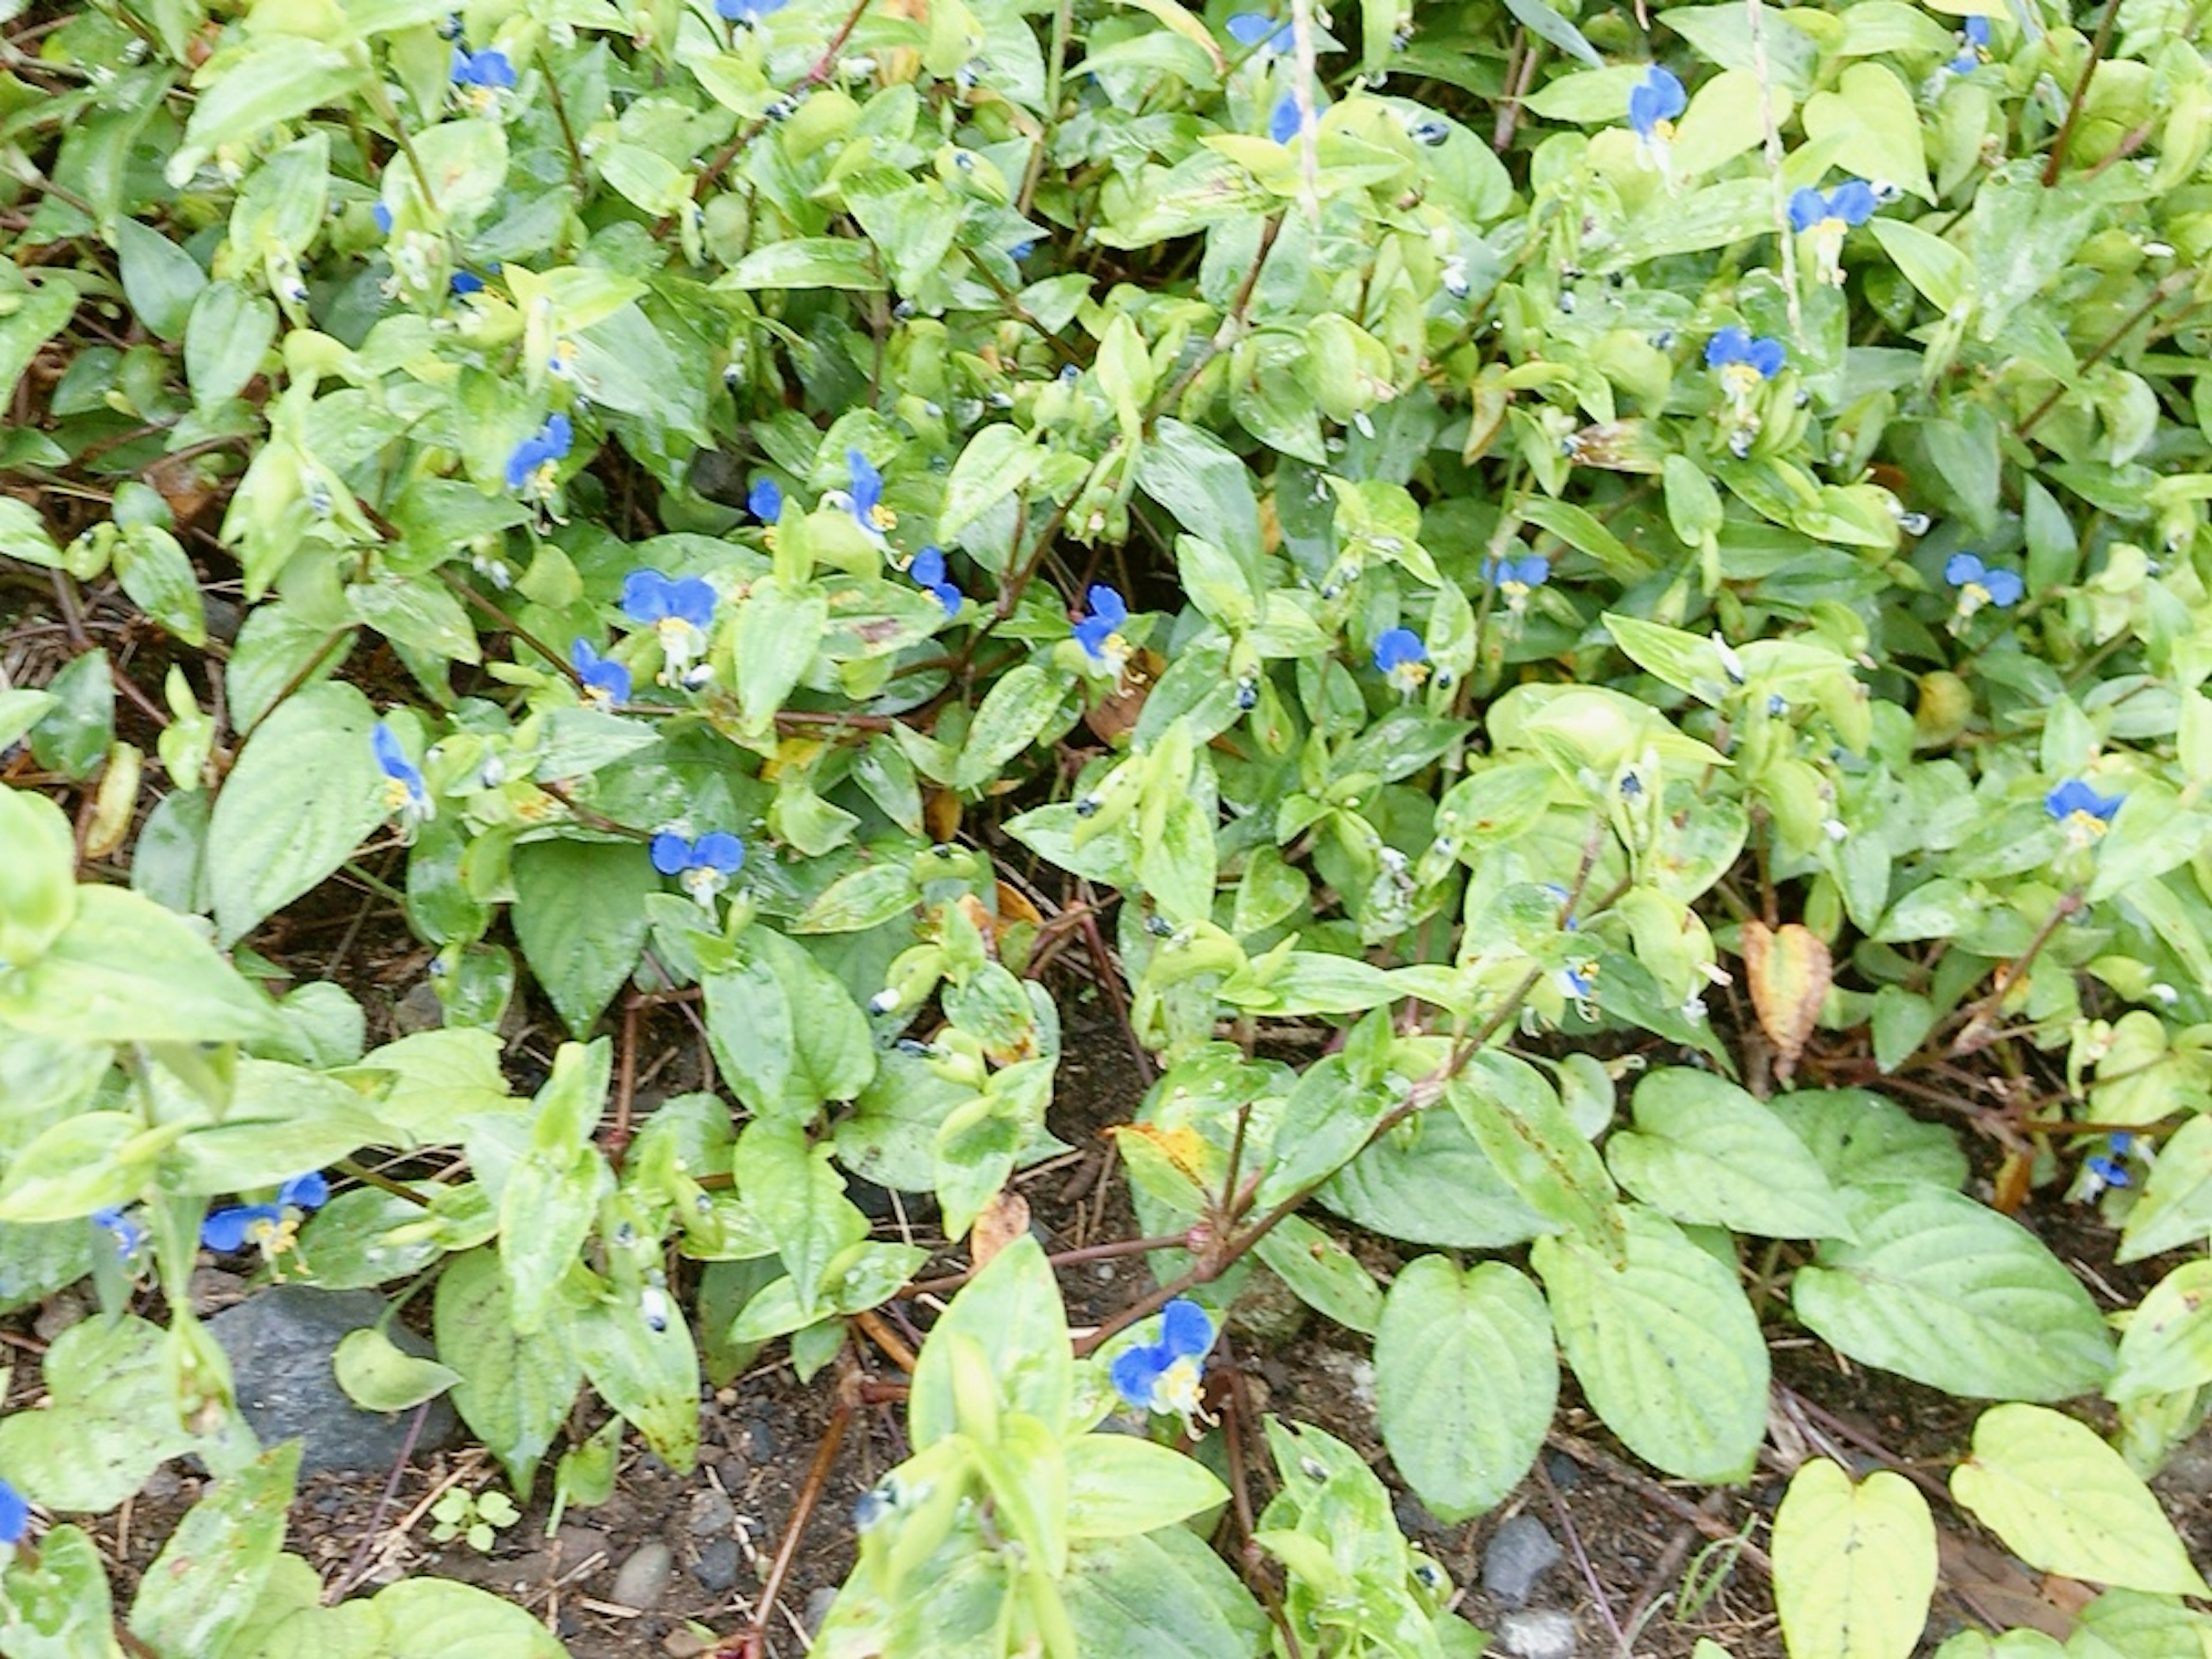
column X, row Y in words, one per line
column 716, row 1569
column 1564, row 1470
column 643, row 1579
column 818, row 1603
column 1518, row 1555
column 711, row 1512
column 1537, row 1633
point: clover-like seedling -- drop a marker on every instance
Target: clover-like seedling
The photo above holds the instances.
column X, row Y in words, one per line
column 477, row 1516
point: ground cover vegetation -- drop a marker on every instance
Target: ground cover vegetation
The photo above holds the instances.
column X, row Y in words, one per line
column 1593, row 623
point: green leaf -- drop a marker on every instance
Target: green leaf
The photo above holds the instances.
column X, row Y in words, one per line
column 1324, row 1273
column 1546, row 24
column 1197, row 478
column 799, row 1197
column 1166, row 1595
column 380, row 1375
column 1872, row 128
column 777, row 634
column 1860, row 1137
column 160, row 279
column 2065, row 1502
column 76, row 733
column 1666, row 1349
column 515, row 1390
column 158, row 575
column 1854, row 1565
column 1516, row 1117
column 1119, row 1486
column 38, row 880
column 437, row 1619
column 305, row 793
column 126, row 971
column 1013, row 715
column 787, row 1034
column 1428, row 1182
column 1942, row 273
column 650, row 1375
column 1724, row 119
column 545, row 1214
column 861, row 899
column 1706, row 1152
column 287, row 76
column 1948, row 1293
column 2167, row 1347
column 23, row 534
column 60, row 1609
column 1465, row 1381
column 996, row 462
column 226, row 338
column 2175, row 1210
column 808, row 262
column 203, row 1586
column 36, row 318
column 279, row 1120
column 111, row 1421
column 1011, row 1312
column 580, row 917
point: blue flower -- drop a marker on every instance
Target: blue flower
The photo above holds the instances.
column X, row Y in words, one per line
column 1517, row 578
column 1284, row 124
column 1828, row 219
column 480, row 78
column 864, row 501
column 15, row 1516
column 404, row 789
column 1580, row 983
column 1402, row 658
column 1653, row 104
column 382, row 215
column 1975, row 37
column 704, row 865
column 1744, row 363
column 1979, row 585
column 272, row 1227
column 1022, row 250
column 128, row 1233
column 1256, row 28
column 1851, row 202
column 746, row 13
column 929, row 572
column 467, row 282
column 605, row 681
column 680, row 613
column 1165, row 1375
column 2109, row 1168
column 2084, row 812
column 1099, row 632
column 765, row 499
column 535, row 466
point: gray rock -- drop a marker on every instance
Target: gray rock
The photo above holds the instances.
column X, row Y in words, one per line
column 643, row 1579
column 1518, row 1555
column 281, row 1342
column 818, row 1603
column 716, row 1569
column 712, row 1512
column 1537, row 1633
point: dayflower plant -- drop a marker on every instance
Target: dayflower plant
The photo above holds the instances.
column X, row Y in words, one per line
column 1744, row 363
column 1980, row 584
column 404, row 792
column 533, row 468
column 679, row 610
column 272, row 1227
column 864, row 500
column 1653, row 104
column 1517, row 578
column 928, row 573
column 703, row 866
column 1403, row 659
column 480, row 78
column 1166, row 1377
column 1974, row 39
column 605, row 680
column 1099, row 632
column 2084, row 813
column 1827, row 219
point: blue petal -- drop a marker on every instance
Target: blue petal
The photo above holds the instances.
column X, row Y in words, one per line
column 1106, row 607
column 1533, row 571
column 1978, row 31
column 718, row 849
column 928, row 567
column 310, row 1191
column 2005, row 587
column 1963, row 568
column 226, row 1230
column 646, row 596
column 867, row 487
column 467, row 282
column 1853, row 202
column 1283, row 124
column 672, row 853
column 1091, row 634
column 1135, row 1374
column 382, row 215
column 1808, row 207
column 1730, row 345
column 950, row 596
column 15, row 1515
column 1185, row 1330
column 766, row 501
column 524, row 459
column 692, row 600
column 1396, row 648
column 558, row 436
column 1768, row 356
column 390, row 757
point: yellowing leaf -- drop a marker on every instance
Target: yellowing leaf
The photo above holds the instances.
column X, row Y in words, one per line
column 1789, row 971
column 1854, row 1565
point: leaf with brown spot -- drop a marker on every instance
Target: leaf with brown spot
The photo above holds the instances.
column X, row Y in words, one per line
column 1002, row 1220
column 1789, row 971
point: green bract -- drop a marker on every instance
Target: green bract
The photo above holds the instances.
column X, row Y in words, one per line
column 1635, row 598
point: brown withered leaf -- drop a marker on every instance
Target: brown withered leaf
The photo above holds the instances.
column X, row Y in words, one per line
column 1116, row 715
column 1789, row 971
column 940, row 815
column 1002, row 1220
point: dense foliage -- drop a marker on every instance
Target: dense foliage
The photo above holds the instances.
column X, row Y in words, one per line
column 1651, row 573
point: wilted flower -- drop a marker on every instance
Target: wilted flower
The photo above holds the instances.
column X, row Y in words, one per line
column 1403, row 659
column 1979, row 584
column 680, row 612
column 480, row 78
column 1653, row 104
column 1974, row 40
column 929, row 572
column 533, row 469
column 128, row 1234
column 1827, row 218
column 272, row 1227
column 1744, row 362
column 1165, row 1375
column 1517, row 578
column 2083, row 812
column 605, row 680
column 704, row 865
column 1099, row 632
column 404, row 792
column 1256, row 28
